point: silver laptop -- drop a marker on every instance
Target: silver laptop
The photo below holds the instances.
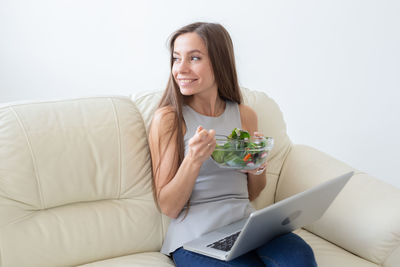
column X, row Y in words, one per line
column 233, row 240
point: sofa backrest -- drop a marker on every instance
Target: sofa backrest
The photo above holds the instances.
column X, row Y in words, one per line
column 75, row 183
column 270, row 123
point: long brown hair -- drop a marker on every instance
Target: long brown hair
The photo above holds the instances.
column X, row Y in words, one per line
column 220, row 50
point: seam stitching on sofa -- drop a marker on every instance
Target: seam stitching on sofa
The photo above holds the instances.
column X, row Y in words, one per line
column 39, row 186
column 140, row 113
column 97, row 200
column 162, row 220
column 280, row 171
column 119, row 146
column 141, row 116
column 31, row 212
column 19, row 219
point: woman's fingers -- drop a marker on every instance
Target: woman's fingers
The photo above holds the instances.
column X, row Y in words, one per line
column 211, row 143
column 203, row 142
column 204, row 135
column 208, row 141
column 257, row 171
column 211, row 137
column 258, row 134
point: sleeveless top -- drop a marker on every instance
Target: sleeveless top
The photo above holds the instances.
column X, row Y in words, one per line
column 219, row 196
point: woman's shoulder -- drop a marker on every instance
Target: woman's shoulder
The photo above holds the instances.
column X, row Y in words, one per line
column 247, row 111
column 164, row 113
column 248, row 118
column 164, row 120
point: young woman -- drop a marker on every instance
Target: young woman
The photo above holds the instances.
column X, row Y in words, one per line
column 203, row 99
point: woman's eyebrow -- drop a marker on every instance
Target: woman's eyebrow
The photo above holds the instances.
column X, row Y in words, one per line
column 190, row 52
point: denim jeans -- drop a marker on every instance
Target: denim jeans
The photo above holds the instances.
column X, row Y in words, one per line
column 286, row 250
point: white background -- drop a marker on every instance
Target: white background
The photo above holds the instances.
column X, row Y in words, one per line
column 332, row 66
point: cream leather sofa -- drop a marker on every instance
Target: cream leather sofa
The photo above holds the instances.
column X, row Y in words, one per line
column 75, row 188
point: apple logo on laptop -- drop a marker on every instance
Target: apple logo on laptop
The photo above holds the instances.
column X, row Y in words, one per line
column 291, row 217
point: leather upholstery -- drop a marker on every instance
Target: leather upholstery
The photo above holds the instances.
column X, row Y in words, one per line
column 75, row 183
column 75, row 188
column 364, row 219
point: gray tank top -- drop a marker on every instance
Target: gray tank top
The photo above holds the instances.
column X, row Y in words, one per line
column 219, row 196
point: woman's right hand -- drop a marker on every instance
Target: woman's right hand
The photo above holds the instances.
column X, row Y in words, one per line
column 201, row 145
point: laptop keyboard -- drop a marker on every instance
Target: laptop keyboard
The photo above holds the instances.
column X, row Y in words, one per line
column 226, row 243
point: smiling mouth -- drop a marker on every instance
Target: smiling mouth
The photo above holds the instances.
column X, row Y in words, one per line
column 184, row 82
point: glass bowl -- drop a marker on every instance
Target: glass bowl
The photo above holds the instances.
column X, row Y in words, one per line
column 248, row 154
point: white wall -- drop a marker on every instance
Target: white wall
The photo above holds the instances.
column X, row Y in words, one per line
column 332, row 66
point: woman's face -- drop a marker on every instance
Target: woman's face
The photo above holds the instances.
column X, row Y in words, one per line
column 191, row 67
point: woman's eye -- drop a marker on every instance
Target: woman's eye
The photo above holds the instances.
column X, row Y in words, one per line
column 195, row 58
column 175, row 59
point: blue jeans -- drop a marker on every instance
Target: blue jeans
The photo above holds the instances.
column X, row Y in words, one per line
column 286, row 250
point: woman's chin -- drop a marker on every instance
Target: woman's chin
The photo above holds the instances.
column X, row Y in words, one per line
column 187, row 91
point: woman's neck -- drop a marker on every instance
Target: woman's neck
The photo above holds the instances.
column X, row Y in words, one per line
column 209, row 106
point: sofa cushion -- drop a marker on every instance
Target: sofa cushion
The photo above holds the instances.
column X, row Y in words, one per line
column 270, row 121
column 147, row 103
column 363, row 219
column 75, row 182
column 148, row 259
column 330, row 255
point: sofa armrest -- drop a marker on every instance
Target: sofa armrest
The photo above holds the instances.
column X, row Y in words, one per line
column 365, row 217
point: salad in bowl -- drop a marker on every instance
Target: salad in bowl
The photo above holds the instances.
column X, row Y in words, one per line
column 241, row 151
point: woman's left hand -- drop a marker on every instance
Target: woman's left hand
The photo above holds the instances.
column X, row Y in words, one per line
column 258, row 171
column 261, row 169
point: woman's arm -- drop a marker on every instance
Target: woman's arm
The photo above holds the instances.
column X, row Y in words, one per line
column 173, row 183
column 255, row 183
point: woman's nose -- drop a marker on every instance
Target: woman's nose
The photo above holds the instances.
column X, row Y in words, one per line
column 183, row 66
